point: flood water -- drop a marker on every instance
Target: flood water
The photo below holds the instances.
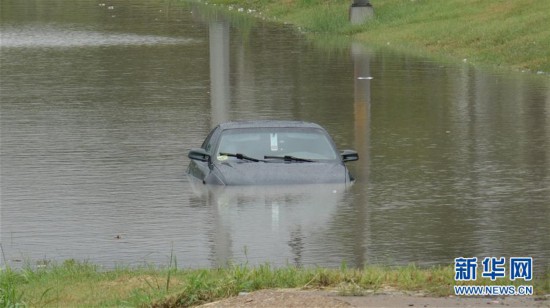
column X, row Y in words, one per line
column 100, row 102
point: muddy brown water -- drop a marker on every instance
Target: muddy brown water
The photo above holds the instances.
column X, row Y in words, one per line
column 100, row 102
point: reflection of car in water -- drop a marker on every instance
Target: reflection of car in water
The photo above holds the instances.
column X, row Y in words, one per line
column 271, row 223
column 269, row 152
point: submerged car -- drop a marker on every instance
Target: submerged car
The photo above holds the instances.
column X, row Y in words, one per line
column 269, row 153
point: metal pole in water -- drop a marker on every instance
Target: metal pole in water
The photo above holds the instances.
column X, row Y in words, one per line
column 360, row 11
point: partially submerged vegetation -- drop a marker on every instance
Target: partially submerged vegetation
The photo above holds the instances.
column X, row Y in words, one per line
column 81, row 284
column 514, row 34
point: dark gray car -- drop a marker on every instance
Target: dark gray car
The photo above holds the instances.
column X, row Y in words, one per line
column 269, row 153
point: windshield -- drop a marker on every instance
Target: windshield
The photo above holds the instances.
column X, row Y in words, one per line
column 306, row 143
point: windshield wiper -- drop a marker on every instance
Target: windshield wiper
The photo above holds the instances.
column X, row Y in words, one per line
column 241, row 156
column 289, row 158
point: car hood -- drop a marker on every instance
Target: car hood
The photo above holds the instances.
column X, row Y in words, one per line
column 260, row 173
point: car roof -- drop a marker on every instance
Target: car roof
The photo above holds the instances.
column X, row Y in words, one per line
column 267, row 124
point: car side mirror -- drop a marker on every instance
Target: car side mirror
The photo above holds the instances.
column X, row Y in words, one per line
column 349, row 155
column 199, row 154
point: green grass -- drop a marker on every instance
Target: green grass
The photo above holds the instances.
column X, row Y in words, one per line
column 512, row 34
column 10, row 296
column 82, row 284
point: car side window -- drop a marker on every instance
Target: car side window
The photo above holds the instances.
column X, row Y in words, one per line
column 210, row 140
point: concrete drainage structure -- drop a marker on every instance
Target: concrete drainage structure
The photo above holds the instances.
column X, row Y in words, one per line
column 360, row 11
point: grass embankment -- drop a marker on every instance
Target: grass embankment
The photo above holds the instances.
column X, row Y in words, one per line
column 513, row 34
column 81, row 284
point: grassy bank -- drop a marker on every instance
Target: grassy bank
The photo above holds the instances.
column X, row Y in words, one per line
column 511, row 34
column 81, row 284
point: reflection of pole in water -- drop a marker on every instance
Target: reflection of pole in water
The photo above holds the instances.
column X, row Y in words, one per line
column 220, row 238
column 362, row 81
column 219, row 71
column 296, row 244
column 219, row 97
column 362, row 96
